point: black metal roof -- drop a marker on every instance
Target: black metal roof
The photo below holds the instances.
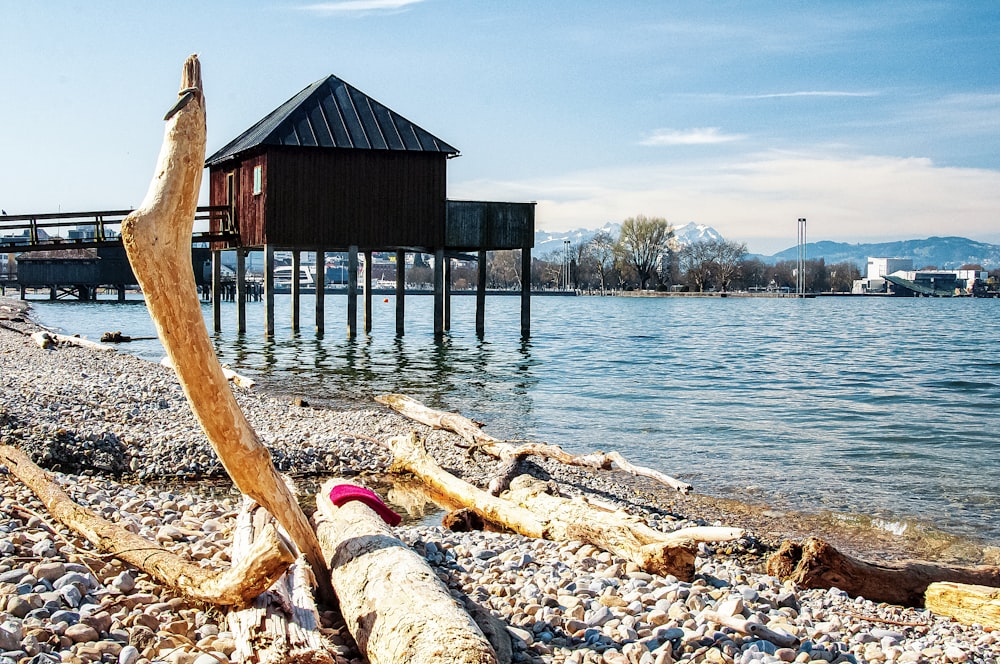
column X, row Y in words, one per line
column 333, row 114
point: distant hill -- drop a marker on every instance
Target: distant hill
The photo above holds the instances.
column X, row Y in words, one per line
column 549, row 241
column 946, row 253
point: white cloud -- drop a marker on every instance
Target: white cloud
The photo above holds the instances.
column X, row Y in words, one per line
column 758, row 200
column 699, row 136
column 359, row 6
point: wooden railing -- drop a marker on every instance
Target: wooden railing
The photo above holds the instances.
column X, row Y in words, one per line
column 40, row 232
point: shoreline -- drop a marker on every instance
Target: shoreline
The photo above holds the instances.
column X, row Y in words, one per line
column 118, row 413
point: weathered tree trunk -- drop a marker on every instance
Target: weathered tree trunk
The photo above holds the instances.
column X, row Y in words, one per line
column 504, row 451
column 968, row 604
column 395, row 606
column 743, row 626
column 50, row 339
column 266, row 559
column 816, row 564
column 157, row 238
column 527, row 509
column 281, row 625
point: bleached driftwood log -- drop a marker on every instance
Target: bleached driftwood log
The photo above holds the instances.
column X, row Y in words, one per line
column 238, row 380
column 393, row 603
column 282, row 624
column 743, row 626
column 266, row 559
column 817, row 564
column 157, row 239
column 528, row 510
column 507, row 452
column 968, row 604
column 50, row 339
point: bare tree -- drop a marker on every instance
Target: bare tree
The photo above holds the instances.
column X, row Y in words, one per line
column 602, row 250
column 643, row 239
column 698, row 263
column 728, row 256
column 504, row 269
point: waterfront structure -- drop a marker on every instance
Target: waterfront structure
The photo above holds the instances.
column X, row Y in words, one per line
column 332, row 169
column 896, row 276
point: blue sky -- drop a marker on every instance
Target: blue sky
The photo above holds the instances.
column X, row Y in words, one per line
column 874, row 120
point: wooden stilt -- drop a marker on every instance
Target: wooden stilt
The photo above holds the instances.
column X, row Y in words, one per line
column 121, row 292
column 216, row 291
column 525, row 292
column 368, row 292
column 320, row 292
column 446, row 293
column 352, row 291
column 241, row 291
column 438, row 292
column 296, row 288
column 400, row 292
column 268, row 290
column 481, row 296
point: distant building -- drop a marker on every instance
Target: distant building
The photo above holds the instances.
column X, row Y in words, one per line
column 896, row 276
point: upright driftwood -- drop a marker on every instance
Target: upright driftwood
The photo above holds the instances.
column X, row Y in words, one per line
column 968, row 604
column 266, row 559
column 509, row 452
column 393, row 603
column 157, row 238
column 281, row 625
column 817, row 564
column 530, row 509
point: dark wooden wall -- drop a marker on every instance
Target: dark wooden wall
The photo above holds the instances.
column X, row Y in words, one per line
column 489, row 225
column 335, row 198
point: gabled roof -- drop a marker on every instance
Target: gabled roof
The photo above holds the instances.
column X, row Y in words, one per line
column 333, row 114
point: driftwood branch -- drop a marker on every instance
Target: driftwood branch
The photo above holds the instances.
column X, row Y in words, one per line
column 531, row 510
column 393, row 603
column 474, row 435
column 51, row 339
column 157, row 239
column 267, row 559
column 816, row 564
column 743, row 626
column 281, row 625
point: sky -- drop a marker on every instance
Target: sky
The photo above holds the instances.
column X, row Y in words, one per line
column 875, row 121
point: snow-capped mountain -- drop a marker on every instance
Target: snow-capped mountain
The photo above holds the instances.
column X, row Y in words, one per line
column 555, row 241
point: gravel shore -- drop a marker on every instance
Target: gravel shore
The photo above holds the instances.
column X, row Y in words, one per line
column 119, row 436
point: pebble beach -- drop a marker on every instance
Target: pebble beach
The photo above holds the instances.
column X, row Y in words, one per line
column 117, row 434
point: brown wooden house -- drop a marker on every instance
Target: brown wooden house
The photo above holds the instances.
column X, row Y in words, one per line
column 332, row 169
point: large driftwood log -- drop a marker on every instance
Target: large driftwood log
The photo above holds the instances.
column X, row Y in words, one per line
column 816, row 564
column 530, row 510
column 281, row 625
column 266, row 560
column 968, row 604
column 505, row 451
column 50, row 339
column 157, row 239
column 393, row 603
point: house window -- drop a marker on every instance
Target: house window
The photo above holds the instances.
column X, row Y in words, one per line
column 258, row 179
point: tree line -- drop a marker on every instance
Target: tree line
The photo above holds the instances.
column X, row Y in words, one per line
column 647, row 255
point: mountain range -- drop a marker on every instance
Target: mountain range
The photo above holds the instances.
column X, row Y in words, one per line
column 941, row 252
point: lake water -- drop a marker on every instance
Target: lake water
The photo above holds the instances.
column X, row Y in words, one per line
column 882, row 407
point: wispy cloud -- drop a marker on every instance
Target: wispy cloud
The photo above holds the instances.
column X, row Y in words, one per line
column 360, row 6
column 756, row 199
column 698, row 136
column 811, row 93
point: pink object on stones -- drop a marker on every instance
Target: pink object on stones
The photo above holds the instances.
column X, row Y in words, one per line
column 344, row 493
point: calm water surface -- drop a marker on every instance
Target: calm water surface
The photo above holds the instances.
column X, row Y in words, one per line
column 888, row 408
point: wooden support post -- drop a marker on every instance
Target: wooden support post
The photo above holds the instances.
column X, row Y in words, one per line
column 400, row 292
column 121, row 292
column 269, row 290
column 241, row 291
column 481, row 296
column 352, row 291
column 217, row 291
column 525, row 292
column 446, row 291
column 296, row 288
column 52, row 293
column 320, row 292
column 368, row 291
column 438, row 292
column 24, row 292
